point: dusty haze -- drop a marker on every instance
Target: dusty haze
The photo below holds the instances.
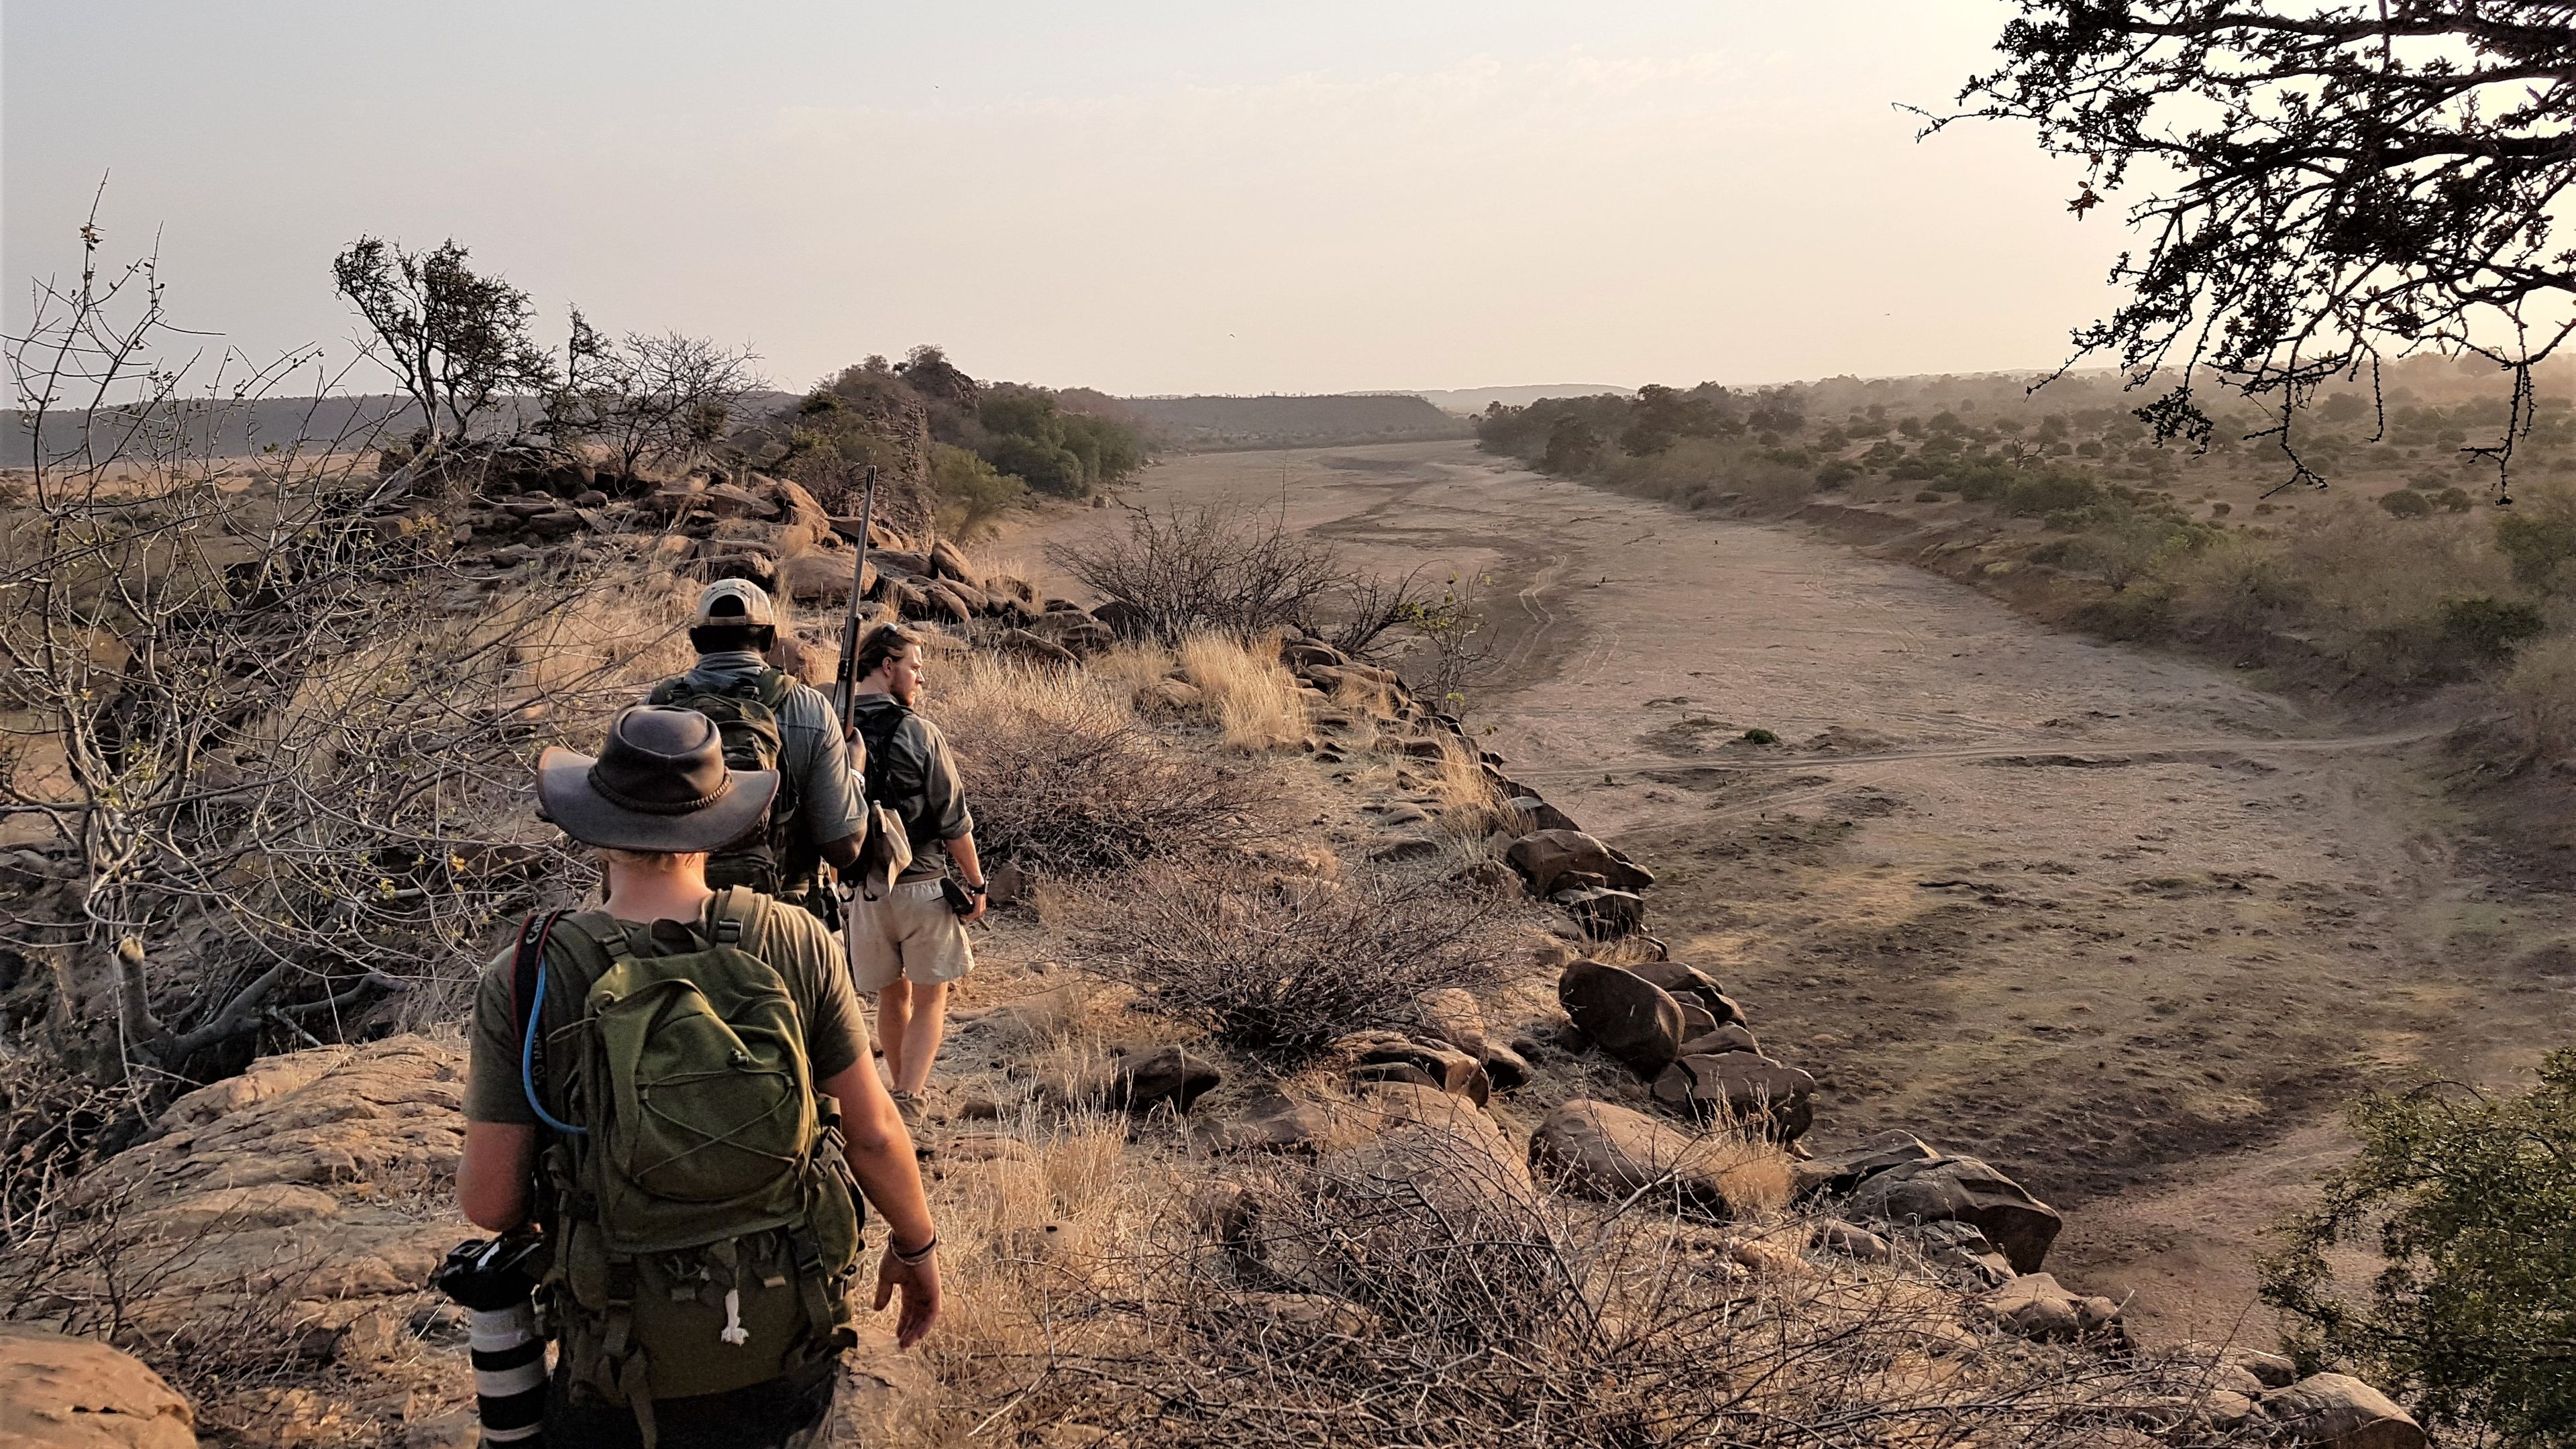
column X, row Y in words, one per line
column 1144, row 198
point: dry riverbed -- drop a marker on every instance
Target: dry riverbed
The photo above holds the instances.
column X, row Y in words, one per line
column 2114, row 920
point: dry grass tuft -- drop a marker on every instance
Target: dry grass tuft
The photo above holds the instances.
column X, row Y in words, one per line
column 1470, row 807
column 1281, row 967
column 1251, row 695
column 1063, row 781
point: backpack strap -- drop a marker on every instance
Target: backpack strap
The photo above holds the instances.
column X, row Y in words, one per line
column 736, row 910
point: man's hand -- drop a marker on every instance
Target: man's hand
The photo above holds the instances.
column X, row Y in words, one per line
column 981, row 900
column 920, row 1285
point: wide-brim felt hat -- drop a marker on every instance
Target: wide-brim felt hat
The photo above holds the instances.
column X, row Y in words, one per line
column 658, row 784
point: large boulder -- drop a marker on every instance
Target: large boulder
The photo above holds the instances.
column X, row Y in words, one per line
column 824, row 576
column 1840, row 1172
column 58, row 1392
column 1623, row 1013
column 1544, row 857
column 2336, row 1411
column 948, row 563
column 1608, row 1152
column 1140, row 1081
column 1072, row 629
column 1764, row 1096
column 2035, row 1306
column 1431, row 1063
column 1272, row 1121
column 1963, row 1189
column 1603, row 913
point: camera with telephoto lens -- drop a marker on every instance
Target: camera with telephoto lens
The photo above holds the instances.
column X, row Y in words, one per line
column 494, row 1281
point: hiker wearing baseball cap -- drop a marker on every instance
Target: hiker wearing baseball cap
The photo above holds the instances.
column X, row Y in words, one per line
column 675, row 1091
column 773, row 722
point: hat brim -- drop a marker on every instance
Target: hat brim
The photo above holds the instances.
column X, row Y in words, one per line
column 568, row 799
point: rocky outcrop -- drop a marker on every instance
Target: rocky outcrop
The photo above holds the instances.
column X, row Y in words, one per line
column 1624, row 1014
column 1603, row 1150
column 1966, row 1190
column 2334, row 1411
column 1741, row 1087
column 2035, row 1307
column 315, row 1184
column 58, row 1392
column 1552, row 860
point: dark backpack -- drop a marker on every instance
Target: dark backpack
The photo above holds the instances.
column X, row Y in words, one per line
column 704, row 1220
column 746, row 717
column 886, row 850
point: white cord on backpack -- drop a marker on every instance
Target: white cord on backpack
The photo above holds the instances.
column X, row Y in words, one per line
column 734, row 1333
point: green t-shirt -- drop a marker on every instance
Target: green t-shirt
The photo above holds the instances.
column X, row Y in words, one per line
column 805, row 955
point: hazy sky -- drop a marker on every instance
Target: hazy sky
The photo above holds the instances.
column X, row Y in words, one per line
column 1145, row 197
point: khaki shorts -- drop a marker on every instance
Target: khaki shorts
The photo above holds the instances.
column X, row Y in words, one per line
column 911, row 933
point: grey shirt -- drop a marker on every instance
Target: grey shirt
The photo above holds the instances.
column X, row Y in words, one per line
column 815, row 783
column 917, row 780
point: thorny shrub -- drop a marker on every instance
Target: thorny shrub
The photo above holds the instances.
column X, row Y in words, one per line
column 1333, row 1308
column 1063, row 781
column 1281, row 966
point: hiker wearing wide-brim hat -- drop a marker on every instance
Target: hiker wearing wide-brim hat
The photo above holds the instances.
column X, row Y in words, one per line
column 732, row 1015
column 660, row 783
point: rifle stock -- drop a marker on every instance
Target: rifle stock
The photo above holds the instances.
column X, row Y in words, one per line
column 845, row 684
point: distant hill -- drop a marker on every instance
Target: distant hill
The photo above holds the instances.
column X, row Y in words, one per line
column 1207, row 424
column 1472, row 400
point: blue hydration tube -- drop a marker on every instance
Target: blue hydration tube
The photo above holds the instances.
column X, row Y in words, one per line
column 528, row 1061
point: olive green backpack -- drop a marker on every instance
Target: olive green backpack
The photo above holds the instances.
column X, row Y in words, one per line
column 704, row 1220
column 746, row 719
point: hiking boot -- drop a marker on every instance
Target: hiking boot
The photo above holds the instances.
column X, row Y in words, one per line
column 914, row 1111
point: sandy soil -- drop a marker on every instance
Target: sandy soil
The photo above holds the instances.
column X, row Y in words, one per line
column 2115, row 921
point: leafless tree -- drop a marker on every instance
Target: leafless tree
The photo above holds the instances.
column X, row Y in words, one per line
column 647, row 398
column 265, row 738
column 2324, row 186
column 1194, row 570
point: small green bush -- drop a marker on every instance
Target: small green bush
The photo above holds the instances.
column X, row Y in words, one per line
column 2490, row 628
column 2469, row 1200
column 2050, row 492
column 2129, row 614
column 2406, row 503
column 1760, row 736
column 1928, row 495
column 1836, row 473
column 2453, row 500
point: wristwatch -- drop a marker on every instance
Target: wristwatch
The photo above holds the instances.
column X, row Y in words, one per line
column 975, row 889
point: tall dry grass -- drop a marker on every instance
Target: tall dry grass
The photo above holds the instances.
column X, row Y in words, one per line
column 1062, row 779
column 1250, row 694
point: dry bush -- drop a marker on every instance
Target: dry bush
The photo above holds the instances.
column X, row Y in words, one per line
column 1281, row 967
column 1381, row 1309
column 1202, row 570
column 1063, row 781
column 1251, row 695
column 2541, row 693
column 1703, row 472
